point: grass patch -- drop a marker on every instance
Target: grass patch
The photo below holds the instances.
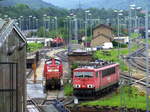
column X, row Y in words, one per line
column 31, row 47
column 68, row 90
column 144, row 40
column 135, row 35
column 112, row 55
column 131, row 96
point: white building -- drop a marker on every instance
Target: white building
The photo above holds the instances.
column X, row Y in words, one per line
column 123, row 40
column 46, row 41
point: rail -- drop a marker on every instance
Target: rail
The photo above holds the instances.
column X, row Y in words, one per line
column 135, row 80
column 34, row 107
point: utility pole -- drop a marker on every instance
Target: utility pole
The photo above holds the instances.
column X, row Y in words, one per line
column 56, row 24
column 21, row 17
column 79, row 4
column 37, row 26
column 76, row 29
column 44, row 24
column 147, row 63
column 86, row 22
column 119, row 13
column 29, row 22
column 70, row 36
column 34, row 22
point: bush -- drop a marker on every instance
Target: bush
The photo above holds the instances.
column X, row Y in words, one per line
column 68, row 90
column 112, row 55
column 116, row 44
column 34, row 46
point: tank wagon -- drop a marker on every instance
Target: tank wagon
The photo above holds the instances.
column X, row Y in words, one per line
column 53, row 71
column 12, row 68
column 94, row 78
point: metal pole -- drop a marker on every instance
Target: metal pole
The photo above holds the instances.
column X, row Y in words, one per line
column 70, row 37
column 118, row 34
column 37, row 26
column 135, row 18
column 91, row 27
column 85, row 24
column 21, row 17
column 20, row 23
column 29, row 23
column 56, row 24
column 68, row 33
column 129, row 45
column 147, row 62
column 76, row 29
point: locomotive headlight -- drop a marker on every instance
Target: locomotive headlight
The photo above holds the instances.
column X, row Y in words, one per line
column 90, row 86
column 49, row 70
column 77, row 86
column 56, row 70
column 53, row 70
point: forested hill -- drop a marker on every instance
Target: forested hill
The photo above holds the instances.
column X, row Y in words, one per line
column 35, row 4
column 114, row 4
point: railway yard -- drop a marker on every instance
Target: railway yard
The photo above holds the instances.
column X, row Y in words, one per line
column 68, row 66
column 46, row 101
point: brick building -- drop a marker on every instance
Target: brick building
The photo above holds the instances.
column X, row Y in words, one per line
column 101, row 34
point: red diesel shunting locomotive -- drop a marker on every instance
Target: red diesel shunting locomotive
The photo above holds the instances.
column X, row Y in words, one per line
column 53, row 71
column 95, row 78
column 56, row 42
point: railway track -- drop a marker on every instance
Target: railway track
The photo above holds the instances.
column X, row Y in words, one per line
column 63, row 55
column 32, row 105
column 54, row 101
column 135, row 80
column 138, row 60
column 44, row 105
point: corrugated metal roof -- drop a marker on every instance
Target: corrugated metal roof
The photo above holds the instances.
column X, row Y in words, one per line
column 6, row 26
column 2, row 22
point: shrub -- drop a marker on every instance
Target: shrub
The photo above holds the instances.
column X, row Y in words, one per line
column 34, row 46
column 116, row 44
column 68, row 90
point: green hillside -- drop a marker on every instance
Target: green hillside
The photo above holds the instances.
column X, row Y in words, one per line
column 114, row 4
column 35, row 4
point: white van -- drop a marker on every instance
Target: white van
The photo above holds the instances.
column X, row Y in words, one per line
column 107, row 45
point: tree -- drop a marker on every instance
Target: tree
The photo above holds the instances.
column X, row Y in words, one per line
column 41, row 32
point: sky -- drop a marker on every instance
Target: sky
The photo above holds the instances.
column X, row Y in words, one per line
column 66, row 3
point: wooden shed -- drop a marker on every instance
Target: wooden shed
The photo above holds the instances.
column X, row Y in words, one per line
column 12, row 68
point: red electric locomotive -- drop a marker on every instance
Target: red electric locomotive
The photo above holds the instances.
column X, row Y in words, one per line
column 53, row 71
column 94, row 78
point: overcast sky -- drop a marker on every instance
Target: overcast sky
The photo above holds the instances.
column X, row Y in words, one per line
column 65, row 3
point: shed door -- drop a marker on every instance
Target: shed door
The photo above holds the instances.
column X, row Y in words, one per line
column 8, row 87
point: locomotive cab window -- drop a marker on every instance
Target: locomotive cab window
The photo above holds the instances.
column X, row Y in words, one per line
column 49, row 62
column 57, row 62
column 108, row 71
column 83, row 74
